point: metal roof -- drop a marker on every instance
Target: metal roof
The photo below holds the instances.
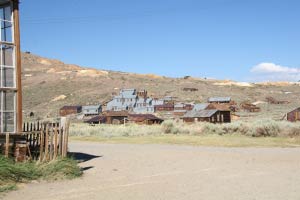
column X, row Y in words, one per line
column 143, row 117
column 200, row 106
column 128, row 92
column 219, row 99
column 157, row 102
column 91, row 107
column 200, row 114
column 96, row 119
column 179, row 105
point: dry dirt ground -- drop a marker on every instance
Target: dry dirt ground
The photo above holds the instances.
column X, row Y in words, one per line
column 121, row 171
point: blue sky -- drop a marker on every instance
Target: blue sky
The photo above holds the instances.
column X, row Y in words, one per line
column 248, row 40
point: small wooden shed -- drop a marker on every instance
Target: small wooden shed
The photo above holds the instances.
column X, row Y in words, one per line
column 68, row 110
column 294, row 115
column 164, row 107
column 219, row 100
column 116, row 117
column 91, row 110
column 212, row 116
column 100, row 119
column 147, row 119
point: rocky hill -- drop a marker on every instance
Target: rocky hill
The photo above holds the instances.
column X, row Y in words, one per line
column 50, row 84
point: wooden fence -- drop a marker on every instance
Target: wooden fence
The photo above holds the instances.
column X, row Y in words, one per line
column 38, row 141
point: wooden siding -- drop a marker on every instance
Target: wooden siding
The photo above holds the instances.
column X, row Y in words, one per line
column 218, row 117
column 294, row 115
column 68, row 110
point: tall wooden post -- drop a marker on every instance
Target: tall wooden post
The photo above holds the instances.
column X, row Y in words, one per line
column 18, row 64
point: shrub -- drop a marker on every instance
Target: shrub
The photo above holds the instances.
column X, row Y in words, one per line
column 168, row 127
column 265, row 128
column 108, row 130
column 59, row 169
column 12, row 173
column 294, row 132
column 209, row 128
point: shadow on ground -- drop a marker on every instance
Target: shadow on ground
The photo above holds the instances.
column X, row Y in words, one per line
column 86, row 168
column 82, row 157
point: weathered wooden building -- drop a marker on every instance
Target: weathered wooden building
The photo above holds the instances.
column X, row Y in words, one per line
column 164, row 107
column 181, row 108
column 221, row 107
column 190, row 89
column 188, row 106
column 116, row 117
column 212, row 116
column 250, row 107
column 147, row 119
column 100, row 119
column 219, row 100
column 91, row 110
column 272, row 100
column 69, row 110
column 294, row 115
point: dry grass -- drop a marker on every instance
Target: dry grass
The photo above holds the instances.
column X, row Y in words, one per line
column 12, row 173
column 263, row 133
column 204, row 140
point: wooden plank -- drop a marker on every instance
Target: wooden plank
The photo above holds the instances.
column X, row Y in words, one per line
column 41, row 144
column 55, row 141
column 51, row 131
column 64, row 142
column 67, row 136
column 60, row 143
column 30, row 139
column 18, row 64
column 46, row 157
column 6, row 145
column 29, row 152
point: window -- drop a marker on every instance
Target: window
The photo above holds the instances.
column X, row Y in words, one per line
column 7, row 71
column 6, row 23
column 7, row 107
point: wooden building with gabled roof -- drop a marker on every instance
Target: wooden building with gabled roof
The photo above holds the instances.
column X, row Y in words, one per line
column 69, row 110
column 147, row 119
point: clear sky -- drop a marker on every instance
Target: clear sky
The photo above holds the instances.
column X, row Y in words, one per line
column 244, row 40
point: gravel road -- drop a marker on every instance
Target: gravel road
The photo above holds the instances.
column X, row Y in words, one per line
column 125, row 171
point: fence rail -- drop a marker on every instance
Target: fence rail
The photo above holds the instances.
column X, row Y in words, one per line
column 38, row 141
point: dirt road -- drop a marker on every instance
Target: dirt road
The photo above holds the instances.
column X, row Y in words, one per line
column 119, row 171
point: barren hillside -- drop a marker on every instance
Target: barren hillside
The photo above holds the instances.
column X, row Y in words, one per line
column 50, row 84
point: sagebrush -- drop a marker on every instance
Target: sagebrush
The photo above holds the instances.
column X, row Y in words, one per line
column 261, row 128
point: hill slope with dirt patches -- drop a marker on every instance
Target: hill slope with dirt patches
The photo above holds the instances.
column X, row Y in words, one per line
column 49, row 84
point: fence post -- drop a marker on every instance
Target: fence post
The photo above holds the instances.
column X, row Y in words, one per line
column 41, row 143
column 66, row 136
column 51, row 142
column 6, row 145
column 46, row 143
column 55, row 141
column 60, row 143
